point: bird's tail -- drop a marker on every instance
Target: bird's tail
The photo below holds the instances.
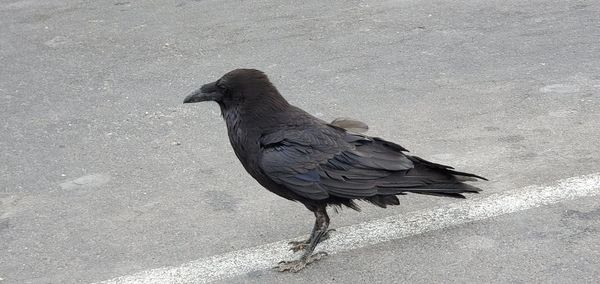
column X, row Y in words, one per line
column 460, row 176
column 454, row 190
column 425, row 178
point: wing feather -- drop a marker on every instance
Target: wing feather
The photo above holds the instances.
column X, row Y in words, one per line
column 320, row 162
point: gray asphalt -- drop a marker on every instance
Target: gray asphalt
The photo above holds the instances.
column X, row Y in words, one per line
column 105, row 173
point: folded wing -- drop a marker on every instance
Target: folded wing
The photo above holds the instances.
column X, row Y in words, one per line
column 323, row 162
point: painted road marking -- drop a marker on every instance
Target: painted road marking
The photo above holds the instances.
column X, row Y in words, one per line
column 239, row 262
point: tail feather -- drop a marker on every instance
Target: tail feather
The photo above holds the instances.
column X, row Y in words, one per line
column 453, row 190
column 443, row 194
column 448, row 190
column 427, row 179
column 424, row 178
column 461, row 176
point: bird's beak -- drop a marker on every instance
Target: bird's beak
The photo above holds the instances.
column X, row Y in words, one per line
column 208, row 92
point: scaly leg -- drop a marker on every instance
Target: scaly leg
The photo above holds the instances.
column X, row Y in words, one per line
column 320, row 230
column 301, row 245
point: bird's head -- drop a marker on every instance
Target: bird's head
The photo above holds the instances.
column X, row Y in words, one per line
column 238, row 87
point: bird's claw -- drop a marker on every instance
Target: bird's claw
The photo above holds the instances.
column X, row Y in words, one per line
column 297, row 265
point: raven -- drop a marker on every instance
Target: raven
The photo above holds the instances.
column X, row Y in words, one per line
column 302, row 158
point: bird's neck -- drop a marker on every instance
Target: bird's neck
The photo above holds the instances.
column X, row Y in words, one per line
column 254, row 113
column 247, row 122
column 242, row 120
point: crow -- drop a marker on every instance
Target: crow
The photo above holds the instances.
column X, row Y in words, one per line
column 303, row 158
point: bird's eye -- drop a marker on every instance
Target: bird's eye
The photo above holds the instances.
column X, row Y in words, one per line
column 224, row 91
column 220, row 85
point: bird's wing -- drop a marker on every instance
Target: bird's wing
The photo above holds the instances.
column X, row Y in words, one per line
column 322, row 161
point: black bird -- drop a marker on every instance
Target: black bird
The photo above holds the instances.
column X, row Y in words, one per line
column 302, row 158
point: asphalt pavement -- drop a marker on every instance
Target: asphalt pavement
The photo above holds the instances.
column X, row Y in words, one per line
column 105, row 173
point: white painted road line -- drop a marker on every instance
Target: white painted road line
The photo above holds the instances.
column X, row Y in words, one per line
column 365, row 234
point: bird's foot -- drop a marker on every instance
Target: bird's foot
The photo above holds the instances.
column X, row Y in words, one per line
column 297, row 265
column 301, row 245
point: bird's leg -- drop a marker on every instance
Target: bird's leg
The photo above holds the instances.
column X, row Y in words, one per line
column 301, row 245
column 319, row 231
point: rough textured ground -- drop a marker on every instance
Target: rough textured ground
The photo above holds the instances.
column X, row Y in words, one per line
column 104, row 172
